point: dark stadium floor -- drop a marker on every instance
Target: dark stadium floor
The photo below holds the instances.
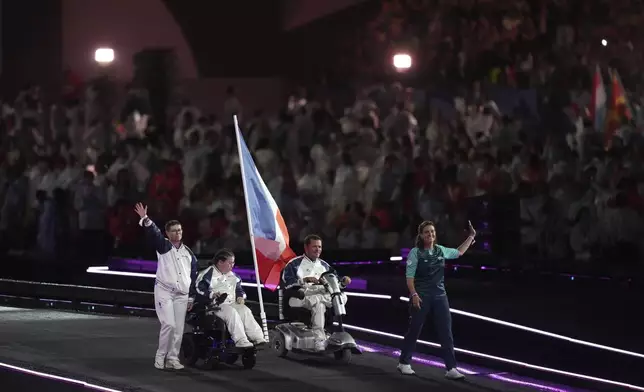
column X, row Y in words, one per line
column 117, row 354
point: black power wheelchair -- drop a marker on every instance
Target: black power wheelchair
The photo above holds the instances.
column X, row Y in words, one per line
column 210, row 340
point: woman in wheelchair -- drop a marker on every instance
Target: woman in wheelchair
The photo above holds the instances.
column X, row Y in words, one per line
column 219, row 285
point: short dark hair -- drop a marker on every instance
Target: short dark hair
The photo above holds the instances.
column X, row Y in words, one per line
column 171, row 223
column 221, row 255
column 311, row 237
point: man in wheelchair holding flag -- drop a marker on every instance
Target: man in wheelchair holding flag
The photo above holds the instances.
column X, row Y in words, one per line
column 301, row 276
column 218, row 284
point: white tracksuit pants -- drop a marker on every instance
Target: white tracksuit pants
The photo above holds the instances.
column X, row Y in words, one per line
column 241, row 324
column 316, row 301
column 171, row 310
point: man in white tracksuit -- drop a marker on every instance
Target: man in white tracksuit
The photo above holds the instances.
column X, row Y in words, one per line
column 219, row 279
column 304, row 272
column 174, row 289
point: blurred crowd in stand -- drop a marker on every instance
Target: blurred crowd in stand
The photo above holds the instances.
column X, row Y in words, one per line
column 505, row 111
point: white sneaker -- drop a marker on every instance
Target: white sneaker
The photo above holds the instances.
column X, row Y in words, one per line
column 244, row 343
column 173, row 364
column 159, row 363
column 406, row 369
column 453, row 374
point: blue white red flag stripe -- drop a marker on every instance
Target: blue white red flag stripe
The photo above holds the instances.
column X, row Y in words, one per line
column 600, row 101
column 270, row 235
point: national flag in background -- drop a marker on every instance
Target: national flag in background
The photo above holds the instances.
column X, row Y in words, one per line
column 619, row 107
column 599, row 101
column 270, row 235
column 619, row 98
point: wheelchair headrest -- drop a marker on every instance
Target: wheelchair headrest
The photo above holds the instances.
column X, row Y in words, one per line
column 202, row 264
column 284, row 269
column 282, row 273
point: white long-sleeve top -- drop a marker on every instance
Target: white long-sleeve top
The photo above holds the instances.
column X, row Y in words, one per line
column 177, row 266
column 211, row 282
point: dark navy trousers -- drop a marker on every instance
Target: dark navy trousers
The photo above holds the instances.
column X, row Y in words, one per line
column 438, row 307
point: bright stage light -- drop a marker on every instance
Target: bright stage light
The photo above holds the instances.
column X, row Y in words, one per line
column 104, row 56
column 402, row 61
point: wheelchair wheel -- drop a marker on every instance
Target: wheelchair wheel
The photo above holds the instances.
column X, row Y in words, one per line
column 231, row 358
column 189, row 353
column 278, row 344
column 343, row 356
column 249, row 360
column 211, row 363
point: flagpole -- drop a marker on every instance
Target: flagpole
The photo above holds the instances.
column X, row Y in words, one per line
column 262, row 312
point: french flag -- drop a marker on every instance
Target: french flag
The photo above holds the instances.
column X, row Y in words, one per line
column 599, row 101
column 269, row 236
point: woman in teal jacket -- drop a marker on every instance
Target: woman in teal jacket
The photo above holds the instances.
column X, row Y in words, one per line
column 426, row 284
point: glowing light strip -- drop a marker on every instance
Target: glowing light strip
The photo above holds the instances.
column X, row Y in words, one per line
column 62, row 301
column 395, row 258
column 368, row 349
column 14, row 297
column 525, row 383
column 429, row 361
column 501, row 359
column 96, row 304
column 138, row 308
column 58, row 378
column 107, row 271
column 367, row 295
column 397, row 352
column 363, row 347
column 541, row 332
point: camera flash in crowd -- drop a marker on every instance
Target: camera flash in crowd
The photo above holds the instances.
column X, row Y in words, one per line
column 604, row 42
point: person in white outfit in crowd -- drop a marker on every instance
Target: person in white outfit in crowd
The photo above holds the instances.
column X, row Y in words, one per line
column 219, row 279
column 174, row 290
column 304, row 272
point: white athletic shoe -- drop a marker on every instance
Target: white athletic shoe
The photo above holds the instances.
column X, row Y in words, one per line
column 173, row 364
column 244, row 343
column 453, row 374
column 405, row 369
column 159, row 363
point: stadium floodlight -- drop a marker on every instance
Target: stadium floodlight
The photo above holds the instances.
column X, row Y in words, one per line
column 104, row 56
column 402, row 61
